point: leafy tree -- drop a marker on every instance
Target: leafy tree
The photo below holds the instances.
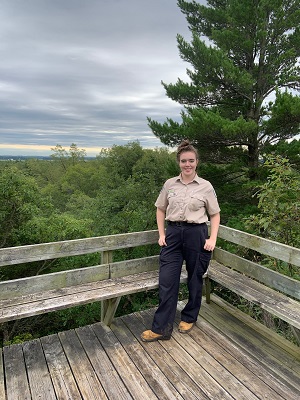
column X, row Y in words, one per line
column 289, row 150
column 61, row 155
column 44, row 229
column 134, row 178
column 119, row 160
column 87, row 178
column 76, row 154
column 279, row 203
column 233, row 190
column 83, row 178
column 43, row 171
column 20, row 201
column 243, row 53
column 80, row 206
column 71, row 157
column 56, row 227
column 157, row 164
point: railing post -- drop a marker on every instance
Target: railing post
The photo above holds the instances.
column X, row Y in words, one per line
column 207, row 288
column 106, row 257
column 296, row 333
column 207, row 283
column 106, row 305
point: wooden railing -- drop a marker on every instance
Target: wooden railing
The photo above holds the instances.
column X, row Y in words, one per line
column 110, row 280
column 274, row 292
column 279, row 251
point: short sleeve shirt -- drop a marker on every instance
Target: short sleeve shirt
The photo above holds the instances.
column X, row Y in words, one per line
column 192, row 202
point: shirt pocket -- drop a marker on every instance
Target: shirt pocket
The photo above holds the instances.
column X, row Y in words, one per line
column 172, row 199
column 196, row 203
column 170, row 195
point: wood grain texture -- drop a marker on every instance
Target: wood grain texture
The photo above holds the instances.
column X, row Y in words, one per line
column 48, row 251
column 131, row 376
column 159, row 384
column 17, row 386
column 103, row 366
column 260, row 273
column 2, row 387
column 270, row 300
column 63, row 380
column 227, row 355
column 185, row 385
column 37, row 371
column 268, row 247
column 54, row 300
column 86, row 378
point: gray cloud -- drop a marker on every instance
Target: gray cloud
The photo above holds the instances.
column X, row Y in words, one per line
column 87, row 71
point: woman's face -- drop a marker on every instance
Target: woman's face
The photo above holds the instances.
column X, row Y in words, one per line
column 188, row 164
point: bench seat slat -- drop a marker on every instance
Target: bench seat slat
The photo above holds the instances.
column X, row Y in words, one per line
column 55, row 300
column 48, row 294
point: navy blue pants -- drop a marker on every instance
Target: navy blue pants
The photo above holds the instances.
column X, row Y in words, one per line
column 184, row 242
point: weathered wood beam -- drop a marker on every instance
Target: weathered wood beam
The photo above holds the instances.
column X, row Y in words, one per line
column 109, row 310
column 54, row 281
column 47, row 251
column 262, row 274
column 296, row 333
column 274, row 302
column 268, row 247
column 2, row 388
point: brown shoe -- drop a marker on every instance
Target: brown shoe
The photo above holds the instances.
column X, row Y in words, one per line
column 185, row 327
column 149, row 336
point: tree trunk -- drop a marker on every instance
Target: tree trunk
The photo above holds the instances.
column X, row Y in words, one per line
column 253, row 145
column 253, row 160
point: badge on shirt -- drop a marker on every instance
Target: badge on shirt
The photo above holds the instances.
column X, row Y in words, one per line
column 171, row 193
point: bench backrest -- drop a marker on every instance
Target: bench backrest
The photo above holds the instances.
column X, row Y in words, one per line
column 105, row 245
column 46, row 251
column 267, row 276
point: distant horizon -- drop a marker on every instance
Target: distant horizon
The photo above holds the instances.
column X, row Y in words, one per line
column 45, row 151
column 22, row 156
column 37, row 150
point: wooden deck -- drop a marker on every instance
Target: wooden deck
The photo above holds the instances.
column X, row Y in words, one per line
column 226, row 356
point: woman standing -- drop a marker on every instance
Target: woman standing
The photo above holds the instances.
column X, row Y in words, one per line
column 185, row 201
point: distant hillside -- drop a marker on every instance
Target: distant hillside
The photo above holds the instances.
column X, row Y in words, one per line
column 24, row 158
column 10, row 157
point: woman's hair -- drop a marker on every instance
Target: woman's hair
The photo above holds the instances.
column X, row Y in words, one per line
column 184, row 146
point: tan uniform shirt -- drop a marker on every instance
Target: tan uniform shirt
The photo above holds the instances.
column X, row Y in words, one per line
column 191, row 202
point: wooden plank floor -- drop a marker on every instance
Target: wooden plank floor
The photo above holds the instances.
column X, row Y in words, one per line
column 226, row 356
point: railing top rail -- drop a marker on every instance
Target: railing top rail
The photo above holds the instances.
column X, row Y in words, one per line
column 268, row 247
column 47, row 251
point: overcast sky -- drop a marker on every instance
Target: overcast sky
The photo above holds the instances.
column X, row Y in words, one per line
column 86, row 72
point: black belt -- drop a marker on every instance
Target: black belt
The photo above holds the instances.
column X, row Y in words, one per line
column 183, row 223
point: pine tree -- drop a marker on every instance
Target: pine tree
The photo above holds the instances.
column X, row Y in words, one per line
column 242, row 89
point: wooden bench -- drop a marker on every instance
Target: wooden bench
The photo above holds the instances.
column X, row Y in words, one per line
column 274, row 292
column 107, row 282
